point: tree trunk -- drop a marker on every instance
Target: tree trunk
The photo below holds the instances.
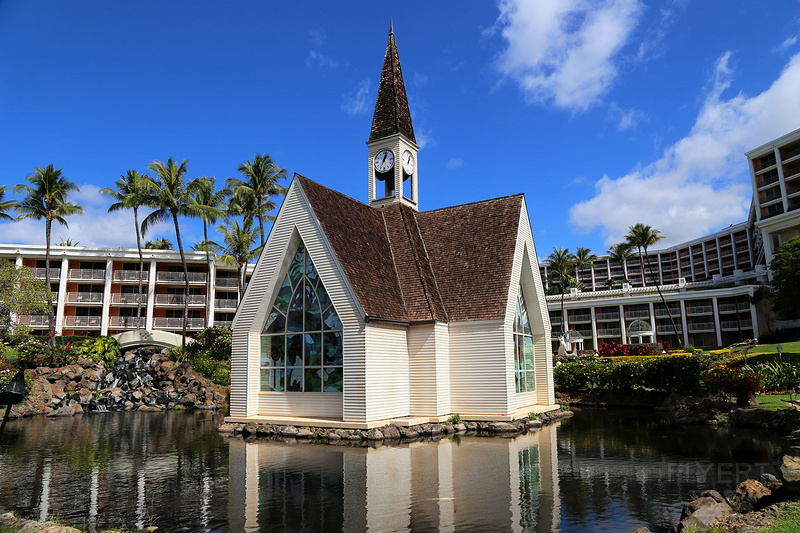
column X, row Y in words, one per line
column 641, row 265
column 664, row 301
column 185, row 281
column 51, row 319
column 209, row 302
column 141, row 268
column 241, row 282
column 261, row 226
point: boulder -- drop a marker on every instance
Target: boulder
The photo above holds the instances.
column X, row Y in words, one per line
column 790, row 467
column 62, row 411
column 304, row 433
column 698, row 514
column 641, row 530
column 750, row 494
column 770, row 481
column 460, row 427
column 534, row 424
column 289, row 431
column 225, row 427
column 408, row 433
column 502, row 427
column 391, row 432
column 189, row 400
column 431, row 429
column 374, row 434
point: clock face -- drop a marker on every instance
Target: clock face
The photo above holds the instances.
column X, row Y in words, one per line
column 408, row 162
column 383, row 161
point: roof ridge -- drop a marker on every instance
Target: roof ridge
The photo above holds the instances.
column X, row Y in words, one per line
column 332, row 190
column 473, row 203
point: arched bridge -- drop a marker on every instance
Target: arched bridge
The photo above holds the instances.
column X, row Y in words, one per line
column 142, row 337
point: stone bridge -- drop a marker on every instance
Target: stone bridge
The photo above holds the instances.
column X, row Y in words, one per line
column 140, row 338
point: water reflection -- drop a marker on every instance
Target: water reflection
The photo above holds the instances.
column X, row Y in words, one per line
column 467, row 483
column 600, row 471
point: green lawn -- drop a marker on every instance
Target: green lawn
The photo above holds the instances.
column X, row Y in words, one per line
column 788, row 347
column 774, row 402
column 787, row 522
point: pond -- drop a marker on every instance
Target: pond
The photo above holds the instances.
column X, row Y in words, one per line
column 603, row 470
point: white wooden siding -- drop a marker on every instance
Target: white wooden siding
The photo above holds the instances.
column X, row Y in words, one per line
column 429, row 370
column 314, row 405
column 387, row 377
column 479, row 370
column 295, row 222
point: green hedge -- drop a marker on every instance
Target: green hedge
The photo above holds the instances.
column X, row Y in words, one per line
column 669, row 374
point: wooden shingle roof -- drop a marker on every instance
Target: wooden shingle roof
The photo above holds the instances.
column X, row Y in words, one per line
column 443, row 265
column 392, row 114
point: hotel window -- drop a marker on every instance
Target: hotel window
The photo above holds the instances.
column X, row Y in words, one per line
column 301, row 343
column 524, row 375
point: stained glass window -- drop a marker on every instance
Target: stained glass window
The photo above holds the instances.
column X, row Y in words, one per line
column 301, row 343
column 524, row 374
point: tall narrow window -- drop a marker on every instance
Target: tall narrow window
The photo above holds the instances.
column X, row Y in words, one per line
column 301, row 343
column 524, row 375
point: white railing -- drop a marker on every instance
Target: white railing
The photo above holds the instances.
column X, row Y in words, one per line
column 732, row 325
column 83, row 321
column 699, row 310
column 55, row 273
column 667, row 330
column 701, row 327
column 85, row 297
column 228, row 303
column 32, row 320
column 574, row 319
column 727, row 308
column 177, row 323
column 130, row 275
column 223, row 323
column 87, row 274
column 663, row 313
column 608, row 316
column 125, row 322
column 609, row 332
column 127, row 298
column 177, row 277
column 629, row 315
column 227, row 282
column 179, row 299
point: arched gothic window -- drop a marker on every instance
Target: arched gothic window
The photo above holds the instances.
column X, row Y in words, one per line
column 524, row 375
column 301, row 343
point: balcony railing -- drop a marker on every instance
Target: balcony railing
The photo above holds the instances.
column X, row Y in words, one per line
column 125, row 322
column 668, row 330
column 733, row 325
column 575, row 319
column 84, row 274
column 727, row 308
column 223, row 323
column 607, row 316
column 177, row 323
column 227, row 303
column 227, row 282
column 554, row 320
column 179, row 299
column 177, row 277
column 663, row 313
column 130, row 276
column 32, row 320
column 55, row 273
column 127, row 298
column 699, row 310
column 701, row 327
column 743, row 307
column 631, row 315
column 609, row 332
column 84, row 297
column 791, row 173
column 791, row 154
column 83, row 321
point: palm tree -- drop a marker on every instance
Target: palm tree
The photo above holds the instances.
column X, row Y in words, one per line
column 583, row 258
column 68, row 242
column 621, row 254
column 158, row 244
column 643, row 236
column 133, row 191
column 46, row 198
column 5, row 205
column 213, row 200
column 172, row 197
column 561, row 262
column 238, row 248
column 260, row 186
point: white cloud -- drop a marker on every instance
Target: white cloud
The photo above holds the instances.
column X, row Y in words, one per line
column 786, row 44
column 626, row 119
column 357, row 101
column 318, row 59
column 701, row 182
column 424, row 137
column 455, row 162
column 564, row 52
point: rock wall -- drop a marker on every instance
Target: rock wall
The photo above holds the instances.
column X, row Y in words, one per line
column 143, row 380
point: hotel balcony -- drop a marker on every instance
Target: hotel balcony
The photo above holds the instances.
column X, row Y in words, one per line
column 743, row 306
column 168, row 300
column 88, row 322
column 87, row 274
column 727, row 308
column 668, row 330
column 127, row 298
column 607, row 317
column 178, row 278
column 39, row 273
column 609, row 332
column 85, row 298
column 663, row 313
column 125, row 322
column 223, row 323
column 129, row 276
column 701, row 327
column 228, row 303
column 633, row 315
column 33, row 321
column 226, row 283
column 177, row 323
column 733, row 325
column 699, row 310
column 555, row 320
column 579, row 319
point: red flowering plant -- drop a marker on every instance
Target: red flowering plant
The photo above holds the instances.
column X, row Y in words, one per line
column 610, row 349
column 743, row 382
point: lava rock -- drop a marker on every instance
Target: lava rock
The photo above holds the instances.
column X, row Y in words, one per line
column 750, row 494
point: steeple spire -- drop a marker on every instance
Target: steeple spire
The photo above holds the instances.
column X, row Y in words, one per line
column 392, row 115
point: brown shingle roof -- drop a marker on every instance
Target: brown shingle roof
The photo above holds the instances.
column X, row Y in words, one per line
column 391, row 107
column 449, row 264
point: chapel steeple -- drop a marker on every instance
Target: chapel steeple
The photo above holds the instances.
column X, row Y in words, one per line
column 392, row 145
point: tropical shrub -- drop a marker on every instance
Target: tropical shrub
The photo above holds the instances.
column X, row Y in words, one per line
column 738, row 382
column 217, row 341
column 779, row 376
column 670, row 374
column 625, row 375
column 646, row 348
column 98, row 349
column 610, row 349
column 584, row 374
column 674, row 374
column 209, row 367
column 32, row 353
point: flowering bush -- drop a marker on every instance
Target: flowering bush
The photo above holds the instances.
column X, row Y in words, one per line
column 583, row 374
column 739, row 382
column 609, row 349
column 646, row 348
column 33, row 353
column 670, row 374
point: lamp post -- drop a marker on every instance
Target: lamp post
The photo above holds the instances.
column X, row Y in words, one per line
column 12, row 393
column 780, row 351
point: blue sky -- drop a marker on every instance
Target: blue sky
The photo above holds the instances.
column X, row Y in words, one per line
column 604, row 113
